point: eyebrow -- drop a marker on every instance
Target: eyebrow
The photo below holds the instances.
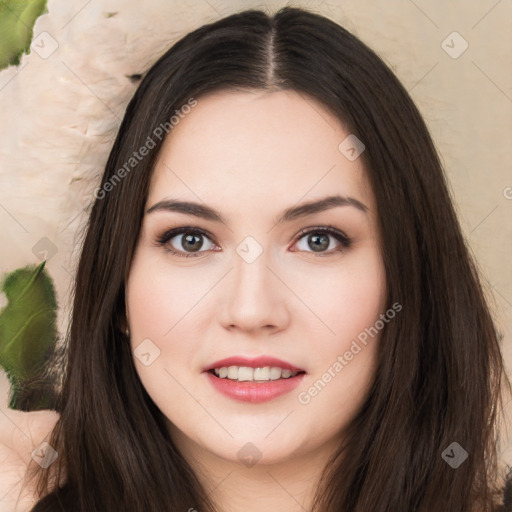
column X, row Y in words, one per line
column 295, row 212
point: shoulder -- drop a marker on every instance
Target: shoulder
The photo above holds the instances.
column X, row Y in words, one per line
column 20, row 434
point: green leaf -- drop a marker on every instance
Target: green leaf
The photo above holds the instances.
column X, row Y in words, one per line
column 28, row 331
column 17, row 18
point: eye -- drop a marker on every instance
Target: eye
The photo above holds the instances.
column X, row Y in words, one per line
column 319, row 240
column 185, row 241
column 189, row 241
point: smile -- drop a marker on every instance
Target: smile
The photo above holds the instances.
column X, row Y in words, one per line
column 246, row 373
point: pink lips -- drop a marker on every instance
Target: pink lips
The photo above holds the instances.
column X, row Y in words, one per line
column 257, row 362
column 253, row 392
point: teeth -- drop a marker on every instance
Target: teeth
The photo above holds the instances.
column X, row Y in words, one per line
column 263, row 373
column 246, row 373
column 233, row 372
column 275, row 373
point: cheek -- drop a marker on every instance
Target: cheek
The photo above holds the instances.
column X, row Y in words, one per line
column 157, row 304
column 162, row 305
column 151, row 309
column 347, row 300
column 343, row 357
column 158, row 297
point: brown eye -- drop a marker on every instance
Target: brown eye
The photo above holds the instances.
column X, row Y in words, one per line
column 318, row 242
column 184, row 241
column 323, row 240
column 191, row 242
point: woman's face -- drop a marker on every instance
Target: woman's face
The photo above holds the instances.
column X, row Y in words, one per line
column 254, row 286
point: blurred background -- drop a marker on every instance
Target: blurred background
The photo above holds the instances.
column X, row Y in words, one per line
column 62, row 102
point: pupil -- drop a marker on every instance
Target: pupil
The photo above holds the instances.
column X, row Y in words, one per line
column 319, row 242
column 190, row 240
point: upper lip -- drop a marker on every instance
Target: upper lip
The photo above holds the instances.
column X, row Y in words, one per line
column 255, row 362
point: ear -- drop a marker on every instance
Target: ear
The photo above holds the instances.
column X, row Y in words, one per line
column 125, row 321
column 126, row 318
column 122, row 321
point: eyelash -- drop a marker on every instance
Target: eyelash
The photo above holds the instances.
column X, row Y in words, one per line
column 162, row 240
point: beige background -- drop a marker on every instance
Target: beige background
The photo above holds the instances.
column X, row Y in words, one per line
column 60, row 113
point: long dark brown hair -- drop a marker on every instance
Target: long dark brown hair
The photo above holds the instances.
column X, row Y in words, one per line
column 440, row 374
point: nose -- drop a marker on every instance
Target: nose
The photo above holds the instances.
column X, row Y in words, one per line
column 255, row 299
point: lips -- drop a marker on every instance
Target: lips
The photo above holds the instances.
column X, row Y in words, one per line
column 257, row 362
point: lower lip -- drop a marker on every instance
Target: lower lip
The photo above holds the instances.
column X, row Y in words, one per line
column 254, row 392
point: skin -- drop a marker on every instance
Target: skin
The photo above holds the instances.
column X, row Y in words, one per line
column 251, row 155
column 20, row 434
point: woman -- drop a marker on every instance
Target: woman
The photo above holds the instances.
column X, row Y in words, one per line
column 274, row 303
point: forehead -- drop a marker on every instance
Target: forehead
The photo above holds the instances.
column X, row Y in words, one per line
column 257, row 146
